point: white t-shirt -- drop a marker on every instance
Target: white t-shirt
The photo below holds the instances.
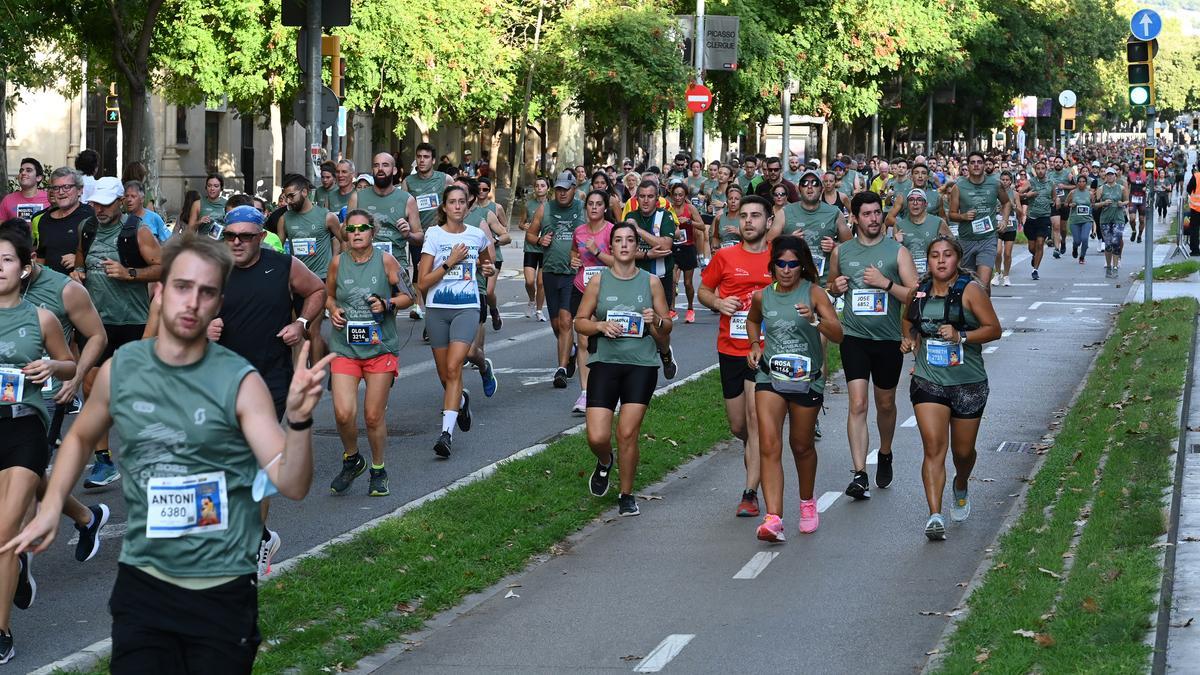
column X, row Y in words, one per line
column 89, row 188
column 458, row 288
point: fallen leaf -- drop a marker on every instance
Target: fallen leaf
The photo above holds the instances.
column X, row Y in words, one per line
column 1089, row 605
column 931, row 652
column 1111, row 575
column 510, row 594
column 631, row 657
column 1043, row 640
column 961, row 584
column 1076, row 456
column 650, row 497
column 404, row 607
column 1143, row 426
column 1161, row 544
column 672, row 442
column 1000, row 566
column 1024, row 633
column 513, row 586
column 982, row 656
column 1185, row 624
column 929, row 613
column 1056, row 575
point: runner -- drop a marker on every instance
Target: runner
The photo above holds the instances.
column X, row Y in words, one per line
column 255, row 320
column 327, row 187
column 313, row 235
column 340, row 198
column 117, row 257
column 535, row 288
column 1112, row 198
column 498, row 230
column 916, row 230
column 727, row 286
column 395, row 212
column 727, row 228
column 1192, row 227
column 691, row 240
column 947, row 325
column 552, row 228
column 831, row 195
column 486, row 221
column 875, row 274
column 1039, row 199
column 452, row 256
column 364, row 290
column 973, row 206
column 1060, row 176
column 28, row 198
column 56, row 229
column 849, row 181
column 206, row 214
column 797, row 318
column 185, row 596
column 773, row 179
column 601, row 181
column 657, row 225
column 1137, row 202
column 427, row 186
column 792, row 174
column 135, row 204
column 1079, row 201
column 270, row 239
column 1007, row 237
column 592, row 254
column 26, row 334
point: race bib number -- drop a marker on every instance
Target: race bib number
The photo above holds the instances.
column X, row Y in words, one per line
column 12, row 385
column 428, row 202
column 790, row 367
column 1083, row 210
column 215, row 230
column 181, row 505
column 922, row 265
column 363, row 333
column 1012, row 221
column 631, row 323
column 737, row 325
column 464, row 271
column 25, row 211
column 869, row 302
column 385, row 246
column 982, row 225
column 943, row 354
column 727, row 244
column 304, row 246
column 591, row 271
column 1136, row 199
column 819, row 261
column 1060, row 193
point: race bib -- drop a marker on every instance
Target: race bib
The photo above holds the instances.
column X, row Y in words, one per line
column 304, row 246
column 12, row 385
column 631, row 323
column 1083, row 210
column 869, row 302
column 737, row 325
column 922, row 265
column 591, row 271
column 1060, row 193
column 727, row 244
column 25, row 211
column 429, row 201
column 464, row 271
column 363, row 333
column 943, row 354
column 181, row 505
column 982, row 225
column 819, row 261
column 1012, row 221
column 216, row 230
column 1136, row 199
column 385, row 246
column 791, row 367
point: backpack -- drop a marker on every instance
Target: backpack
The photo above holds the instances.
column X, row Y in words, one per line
column 127, row 244
column 953, row 312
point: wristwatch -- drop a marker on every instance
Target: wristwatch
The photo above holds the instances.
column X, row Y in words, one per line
column 303, row 324
column 132, row 272
column 962, row 337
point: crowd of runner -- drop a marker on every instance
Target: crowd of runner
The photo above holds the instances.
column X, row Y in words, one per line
column 233, row 319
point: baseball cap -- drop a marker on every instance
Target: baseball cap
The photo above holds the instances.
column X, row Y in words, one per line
column 467, row 151
column 365, row 176
column 1110, row 170
column 566, row 180
column 809, row 172
column 918, row 193
column 839, row 165
column 1096, row 163
column 107, row 191
column 244, row 214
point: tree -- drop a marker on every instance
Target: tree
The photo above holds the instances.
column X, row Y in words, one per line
column 28, row 60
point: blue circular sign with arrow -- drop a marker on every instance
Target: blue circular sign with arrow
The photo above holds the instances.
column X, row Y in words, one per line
column 1145, row 24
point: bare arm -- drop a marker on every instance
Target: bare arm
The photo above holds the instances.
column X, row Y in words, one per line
column 151, row 252
column 86, row 320
column 413, row 216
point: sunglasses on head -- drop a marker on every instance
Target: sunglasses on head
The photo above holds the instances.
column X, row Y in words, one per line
column 361, row 227
column 787, row 264
column 244, row 237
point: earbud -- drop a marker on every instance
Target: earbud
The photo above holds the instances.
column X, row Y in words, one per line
column 25, row 274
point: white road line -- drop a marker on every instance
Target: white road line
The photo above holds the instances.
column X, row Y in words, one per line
column 910, row 422
column 989, row 350
column 827, row 500
column 1020, row 319
column 1099, row 285
column 663, row 653
column 756, row 565
column 1006, row 333
column 1076, row 304
column 873, row 457
column 1084, row 298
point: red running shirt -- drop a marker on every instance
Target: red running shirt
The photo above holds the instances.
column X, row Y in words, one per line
column 735, row 272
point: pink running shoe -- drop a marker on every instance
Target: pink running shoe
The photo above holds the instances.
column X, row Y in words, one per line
column 809, row 519
column 690, row 316
column 771, row 529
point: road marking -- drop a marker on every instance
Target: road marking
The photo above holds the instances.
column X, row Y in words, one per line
column 756, row 565
column 910, row 422
column 663, row 653
column 1084, row 298
column 1006, row 333
column 1008, row 297
column 991, row 349
column 524, row 371
column 873, row 457
column 827, row 500
column 109, row 531
column 1100, row 285
column 1020, row 319
column 1076, row 304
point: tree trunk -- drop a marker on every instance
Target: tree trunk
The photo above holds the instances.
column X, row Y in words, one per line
column 4, row 131
column 494, row 143
column 348, row 150
column 276, row 151
column 623, row 149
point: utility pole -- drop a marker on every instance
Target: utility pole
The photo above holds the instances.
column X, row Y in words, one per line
column 787, row 122
column 875, row 134
column 1151, row 143
column 698, row 64
column 314, row 130
column 929, row 129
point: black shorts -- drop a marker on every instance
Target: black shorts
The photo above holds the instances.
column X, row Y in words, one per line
column 612, row 383
column 1008, row 235
column 812, row 399
column 879, row 361
column 1064, row 213
column 735, row 373
column 965, row 401
column 533, row 259
column 1037, row 228
column 120, row 335
column 558, row 289
column 24, row 444
column 686, row 258
column 158, row 627
column 414, row 253
column 576, row 298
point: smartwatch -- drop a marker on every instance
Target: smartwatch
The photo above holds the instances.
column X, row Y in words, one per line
column 303, row 324
column 132, row 272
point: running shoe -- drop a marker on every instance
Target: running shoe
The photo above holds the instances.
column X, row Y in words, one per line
column 572, row 362
column 560, row 378
column 103, row 472
column 771, row 529
column 960, row 508
column 674, row 315
column 267, row 548
column 76, row 406
column 580, row 407
column 529, row 310
column 377, row 485
column 1081, row 260
column 809, row 518
column 883, row 470
column 996, row 280
column 748, row 507
column 670, row 368
column 416, row 313
column 1035, row 275
column 26, row 591
column 598, row 483
column 1007, row 280
column 689, row 316
column 497, row 322
column 859, row 487
column 464, row 415
column 442, row 447
column 6, row 647
column 1074, row 250
column 540, row 316
column 817, row 430
column 1057, row 255
column 627, row 506
column 89, row 537
column 424, row 338
column 352, row 467
column 488, row 373
column 935, row 528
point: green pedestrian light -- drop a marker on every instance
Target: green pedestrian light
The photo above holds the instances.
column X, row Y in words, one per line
column 1140, row 57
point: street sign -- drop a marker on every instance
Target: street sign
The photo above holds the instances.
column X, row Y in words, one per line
column 1145, row 24
column 329, row 108
column 720, row 40
column 333, row 12
column 699, row 98
column 1066, row 98
column 1018, row 122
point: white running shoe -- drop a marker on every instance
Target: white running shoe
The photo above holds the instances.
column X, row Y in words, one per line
column 267, row 549
column 1007, row 280
column 996, row 280
column 540, row 316
column 529, row 310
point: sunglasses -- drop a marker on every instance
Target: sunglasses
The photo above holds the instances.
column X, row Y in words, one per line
column 361, row 227
column 810, row 183
column 787, row 264
column 780, row 194
column 244, row 237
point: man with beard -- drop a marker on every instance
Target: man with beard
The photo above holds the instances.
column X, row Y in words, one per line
column 821, row 224
column 314, row 235
column 1060, row 176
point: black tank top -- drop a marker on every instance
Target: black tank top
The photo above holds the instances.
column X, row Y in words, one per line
column 258, row 304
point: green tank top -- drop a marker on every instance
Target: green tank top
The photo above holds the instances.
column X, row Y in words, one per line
column 792, row 351
column 899, row 193
column 622, row 301
column 21, row 343
column 387, row 210
column 477, row 217
column 1057, row 178
column 46, row 292
column 728, row 238
column 1040, row 206
column 846, row 186
column 363, row 337
column 560, row 221
column 816, row 225
column 870, row 313
column 120, row 303
column 188, row 468
column 964, row 365
column 918, row 236
column 335, row 201
column 1081, row 207
column 212, row 209
column 428, row 192
column 1114, row 213
column 531, row 207
column 310, row 240
column 980, row 198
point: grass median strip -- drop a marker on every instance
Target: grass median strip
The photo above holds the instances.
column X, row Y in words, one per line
column 1054, row 603
column 1179, row 270
column 333, row 609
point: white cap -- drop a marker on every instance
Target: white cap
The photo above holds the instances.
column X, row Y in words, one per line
column 107, row 191
column 365, row 176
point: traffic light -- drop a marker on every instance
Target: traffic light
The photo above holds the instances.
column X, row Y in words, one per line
column 1148, row 159
column 1195, row 122
column 331, row 46
column 112, row 112
column 1141, row 72
column 1068, row 119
